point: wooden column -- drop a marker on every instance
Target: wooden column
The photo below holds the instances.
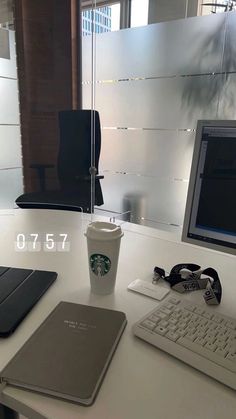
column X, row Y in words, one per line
column 76, row 32
column 45, row 68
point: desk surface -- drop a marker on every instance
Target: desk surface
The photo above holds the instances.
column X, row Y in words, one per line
column 142, row 381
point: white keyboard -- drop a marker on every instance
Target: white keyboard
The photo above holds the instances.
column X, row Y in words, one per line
column 197, row 335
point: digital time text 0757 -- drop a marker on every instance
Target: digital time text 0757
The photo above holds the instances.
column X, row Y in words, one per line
column 47, row 242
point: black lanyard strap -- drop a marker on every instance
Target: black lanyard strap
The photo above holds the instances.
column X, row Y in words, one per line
column 186, row 277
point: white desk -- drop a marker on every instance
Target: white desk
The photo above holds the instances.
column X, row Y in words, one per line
column 142, row 381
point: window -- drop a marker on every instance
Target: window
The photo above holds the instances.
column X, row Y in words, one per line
column 217, row 6
column 107, row 19
column 114, row 17
column 139, row 13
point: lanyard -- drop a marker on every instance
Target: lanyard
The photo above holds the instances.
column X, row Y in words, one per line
column 186, row 277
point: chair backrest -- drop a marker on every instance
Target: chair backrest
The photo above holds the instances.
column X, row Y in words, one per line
column 74, row 157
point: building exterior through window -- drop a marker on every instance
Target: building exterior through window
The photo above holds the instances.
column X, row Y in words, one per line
column 97, row 20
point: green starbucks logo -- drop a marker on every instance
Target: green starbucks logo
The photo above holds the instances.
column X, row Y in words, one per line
column 100, row 264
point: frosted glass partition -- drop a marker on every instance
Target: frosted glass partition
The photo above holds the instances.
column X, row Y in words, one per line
column 10, row 146
column 152, row 85
column 11, row 181
column 8, row 65
column 4, row 44
column 227, row 105
column 145, row 197
column 10, row 186
column 141, row 151
column 229, row 58
column 138, row 104
column 9, row 106
column 189, row 46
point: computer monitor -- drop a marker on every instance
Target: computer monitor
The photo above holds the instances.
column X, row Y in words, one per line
column 210, row 216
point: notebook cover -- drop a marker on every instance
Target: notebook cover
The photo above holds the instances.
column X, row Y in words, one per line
column 67, row 356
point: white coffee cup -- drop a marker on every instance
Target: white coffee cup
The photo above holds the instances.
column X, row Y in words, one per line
column 103, row 240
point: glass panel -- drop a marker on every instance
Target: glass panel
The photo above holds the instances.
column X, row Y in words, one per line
column 4, row 44
column 9, row 103
column 160, row 103
column 10, row 146
column 11, row 186
column 8, row 65
column 11, row 182
column 152, row 84
column 145, row 197
column 166, row 154
column 227, row 105
column 158, row 50
column 229, row 63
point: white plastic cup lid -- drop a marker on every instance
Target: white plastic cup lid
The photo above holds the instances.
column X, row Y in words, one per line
column 100, row 230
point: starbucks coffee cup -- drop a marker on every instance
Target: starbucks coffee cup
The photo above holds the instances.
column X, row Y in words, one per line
column 103, row 240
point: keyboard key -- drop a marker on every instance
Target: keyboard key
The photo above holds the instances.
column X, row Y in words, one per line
column 161, row 330
column 203, row 322
column 166, row 311
column 196, row 318
column 220, row 343
column 199, row 310
column 181, row 332
column 230, row 324
column 221, row 352
column 190, row 336
column 189, row 307
column 172, row 335
column 154, row 318
column 172, row 327
column 174, row 300
column 207, row 315
column 169, row 306
column 211, row 346
column 173, row 321
column 217, row 318
column 163, row 323
column 221, row 334
column 160, row 314
column 182, row 324
column 200, row 341
column 148, row 324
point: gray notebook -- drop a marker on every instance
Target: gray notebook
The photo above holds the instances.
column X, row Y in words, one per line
column 67, row 356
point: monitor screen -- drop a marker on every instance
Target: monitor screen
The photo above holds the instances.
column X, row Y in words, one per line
column 210, row 216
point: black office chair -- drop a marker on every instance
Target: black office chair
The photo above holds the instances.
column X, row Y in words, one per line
column 73, row 166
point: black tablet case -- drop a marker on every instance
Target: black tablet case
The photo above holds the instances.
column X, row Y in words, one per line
column 20, row 289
